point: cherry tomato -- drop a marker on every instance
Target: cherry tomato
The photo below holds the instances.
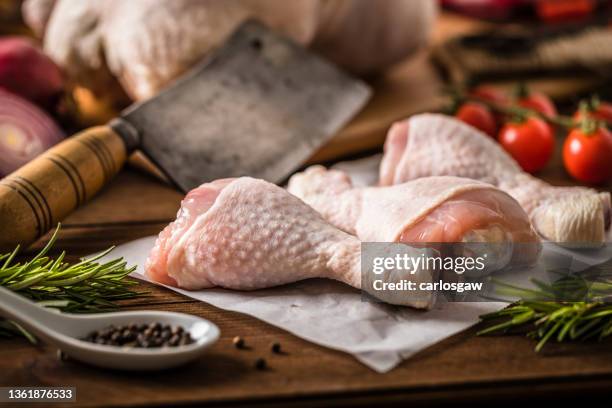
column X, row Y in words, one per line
column 479, row 116
column 588, row 157
column 531, row 143
column 603, row 111
column 563, row 10
column 539, row 102
column 490, row 94
column 493, row 95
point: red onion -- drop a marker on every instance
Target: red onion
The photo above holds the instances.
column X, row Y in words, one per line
column 26, row 71
column 25, row 132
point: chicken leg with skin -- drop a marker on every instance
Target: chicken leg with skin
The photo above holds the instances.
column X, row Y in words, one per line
column 429, row 210
column 438, row 145
column 248, row 234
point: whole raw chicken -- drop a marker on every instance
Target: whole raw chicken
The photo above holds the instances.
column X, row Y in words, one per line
column 436, row 145
column 148, row 43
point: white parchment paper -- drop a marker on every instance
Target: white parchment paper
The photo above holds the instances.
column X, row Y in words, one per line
column 334, row 315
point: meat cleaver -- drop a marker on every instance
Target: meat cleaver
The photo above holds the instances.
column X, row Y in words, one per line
column 260, row 105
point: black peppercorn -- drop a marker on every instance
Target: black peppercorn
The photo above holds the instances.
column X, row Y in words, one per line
column 174, row 340
column 141, row 335
column 238, row 342
column 260, row 364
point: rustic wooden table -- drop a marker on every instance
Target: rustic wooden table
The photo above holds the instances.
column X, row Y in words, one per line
column 460, row 369
column 463, row 369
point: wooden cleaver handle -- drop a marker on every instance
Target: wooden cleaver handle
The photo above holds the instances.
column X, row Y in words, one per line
column 34, row 198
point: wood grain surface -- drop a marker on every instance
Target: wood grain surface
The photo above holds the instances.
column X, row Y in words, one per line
column 463, row 369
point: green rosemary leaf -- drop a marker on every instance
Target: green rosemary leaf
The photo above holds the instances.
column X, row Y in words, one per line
column 58, row 304
column 28, row 281
column 10, row 257
column 606, row 330
column 601, row 313
column 581, row 316
column 568, row 326
column 25, row 333
column 579, row 330
column 86, row 286
column 548, row 335
column 517, row 320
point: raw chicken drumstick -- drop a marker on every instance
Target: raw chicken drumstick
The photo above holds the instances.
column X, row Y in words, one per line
column 428, row 210
column 249, row 234
column 438, row 145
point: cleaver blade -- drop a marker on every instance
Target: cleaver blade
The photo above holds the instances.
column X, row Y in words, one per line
column 259, row 106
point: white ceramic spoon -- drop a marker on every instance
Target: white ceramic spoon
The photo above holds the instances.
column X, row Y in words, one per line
column 66, row 330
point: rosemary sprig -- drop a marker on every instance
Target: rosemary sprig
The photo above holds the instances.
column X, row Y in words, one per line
column 573, row 308
column 87, row 286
